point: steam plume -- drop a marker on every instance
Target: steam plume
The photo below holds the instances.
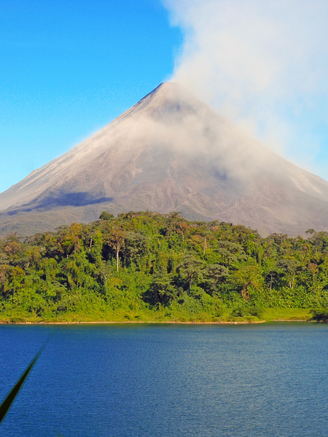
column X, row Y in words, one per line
column 260, row 63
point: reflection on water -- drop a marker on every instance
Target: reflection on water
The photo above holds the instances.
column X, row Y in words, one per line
column 167, row 380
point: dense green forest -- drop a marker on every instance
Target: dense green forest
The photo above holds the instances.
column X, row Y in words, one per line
column 154, row 267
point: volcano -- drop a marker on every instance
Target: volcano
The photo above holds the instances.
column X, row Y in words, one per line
column 169, row 152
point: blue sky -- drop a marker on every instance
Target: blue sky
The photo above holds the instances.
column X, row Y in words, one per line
column 70, row 67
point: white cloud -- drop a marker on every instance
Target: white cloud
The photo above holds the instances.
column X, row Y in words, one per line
column 261, row 63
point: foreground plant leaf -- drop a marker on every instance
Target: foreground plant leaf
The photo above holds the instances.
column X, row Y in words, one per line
column 4, row 407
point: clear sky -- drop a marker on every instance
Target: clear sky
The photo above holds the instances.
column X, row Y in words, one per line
column 69, row 67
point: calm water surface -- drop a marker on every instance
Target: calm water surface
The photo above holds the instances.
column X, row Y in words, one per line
column 167, row 380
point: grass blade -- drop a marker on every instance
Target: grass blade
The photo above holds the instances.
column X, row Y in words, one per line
column 4, row 407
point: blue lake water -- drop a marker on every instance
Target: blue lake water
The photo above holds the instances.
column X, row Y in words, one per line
column 167, row 380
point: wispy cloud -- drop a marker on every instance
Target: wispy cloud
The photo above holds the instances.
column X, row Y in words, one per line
column 263, row 64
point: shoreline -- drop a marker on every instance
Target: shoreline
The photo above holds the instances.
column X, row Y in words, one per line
column 255, row 322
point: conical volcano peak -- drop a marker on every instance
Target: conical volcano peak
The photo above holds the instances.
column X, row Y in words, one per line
column 169, row 91
column 169, row 152
column 169, row 98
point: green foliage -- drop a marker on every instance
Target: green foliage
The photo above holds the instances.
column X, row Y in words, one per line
column 106, row 216
column 150, row 266
column 320, row 315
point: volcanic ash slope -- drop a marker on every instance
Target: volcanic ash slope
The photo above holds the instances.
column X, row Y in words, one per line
column 169, row 152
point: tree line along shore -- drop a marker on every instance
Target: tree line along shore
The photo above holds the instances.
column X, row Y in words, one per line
column 146, row 266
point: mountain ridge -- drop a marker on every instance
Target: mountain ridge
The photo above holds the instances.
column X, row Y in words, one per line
column 169, row 151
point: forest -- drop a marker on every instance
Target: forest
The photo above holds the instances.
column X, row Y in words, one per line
column 146, row 266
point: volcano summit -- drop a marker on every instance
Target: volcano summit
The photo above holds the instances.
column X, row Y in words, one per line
column 169, row 152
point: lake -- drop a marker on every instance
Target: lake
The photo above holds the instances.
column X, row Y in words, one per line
column 167, row 380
